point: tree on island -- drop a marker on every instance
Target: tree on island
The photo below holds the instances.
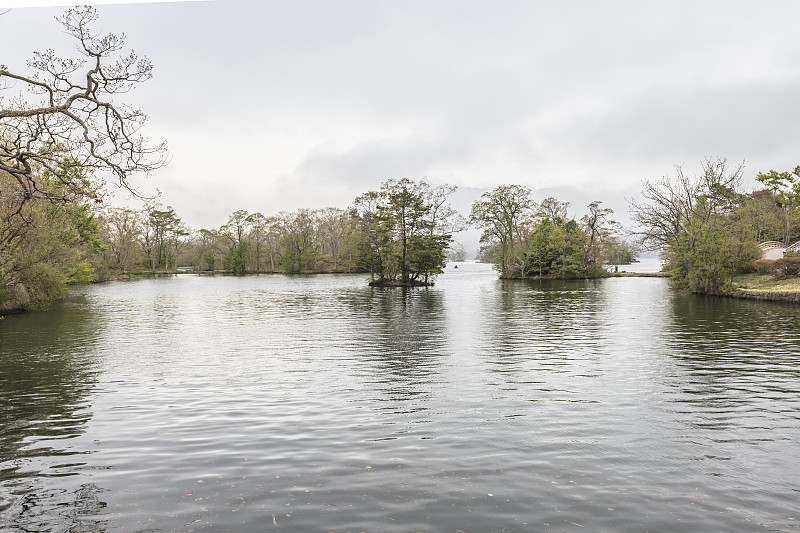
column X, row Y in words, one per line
column 405, row 229
column 502, row 215
column 555, row 249
column 524, row 239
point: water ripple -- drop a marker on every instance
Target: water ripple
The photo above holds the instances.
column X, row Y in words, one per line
column 315, row 403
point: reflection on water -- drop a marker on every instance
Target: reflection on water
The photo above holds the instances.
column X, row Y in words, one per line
column 45, row 402
column 310, row 403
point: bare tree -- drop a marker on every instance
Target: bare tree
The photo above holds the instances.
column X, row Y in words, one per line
column 120, row 227
column 332, row 228
column 670, row 207
column 599, row 229
column 66, row 113
column 684, row 214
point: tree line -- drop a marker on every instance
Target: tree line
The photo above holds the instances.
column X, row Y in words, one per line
column 400, row 234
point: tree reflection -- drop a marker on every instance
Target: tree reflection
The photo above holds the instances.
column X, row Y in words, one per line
column 731, row 355
column 402, row 340
column 540, row 323
column 46, row 380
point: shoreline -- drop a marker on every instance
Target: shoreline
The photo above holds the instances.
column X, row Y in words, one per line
column 639, row 275
column 792, row 297
column 13, row 307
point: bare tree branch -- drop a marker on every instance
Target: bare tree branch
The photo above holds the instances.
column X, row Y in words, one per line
column 65, row 110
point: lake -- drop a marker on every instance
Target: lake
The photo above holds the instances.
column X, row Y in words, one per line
column 316, row 403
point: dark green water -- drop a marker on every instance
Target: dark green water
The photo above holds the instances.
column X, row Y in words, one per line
column 276, row 403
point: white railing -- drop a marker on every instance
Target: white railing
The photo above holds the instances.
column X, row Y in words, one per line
column 795, row 246
column 773, row 244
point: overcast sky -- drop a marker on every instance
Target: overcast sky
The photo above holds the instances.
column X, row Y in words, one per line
column 276, row 105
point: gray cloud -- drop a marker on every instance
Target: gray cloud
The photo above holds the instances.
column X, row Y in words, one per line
column 278, row 105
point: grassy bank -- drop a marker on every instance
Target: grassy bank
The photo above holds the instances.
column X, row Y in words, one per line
column 767, row 282
column 767, row 287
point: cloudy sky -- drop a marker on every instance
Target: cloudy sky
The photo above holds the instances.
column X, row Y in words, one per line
column 276, row 105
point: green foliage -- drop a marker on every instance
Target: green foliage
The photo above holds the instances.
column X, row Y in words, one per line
column 45, row 283
column 163, row 231
column 504, row 215
column 556, row 249
column 706, row 226
column 524, row 240
column 46, row 244
column 236, row 258
column 403, row 231
column 785, row 189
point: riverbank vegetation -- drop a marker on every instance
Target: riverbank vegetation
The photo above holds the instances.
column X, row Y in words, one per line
column 64, row 127
column 399, row 233
column 709, row 229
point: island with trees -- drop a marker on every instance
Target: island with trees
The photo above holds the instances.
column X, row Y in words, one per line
column 525, row 239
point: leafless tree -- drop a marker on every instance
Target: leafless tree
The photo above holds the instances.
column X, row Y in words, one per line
column 66, row 113
column 672, row 206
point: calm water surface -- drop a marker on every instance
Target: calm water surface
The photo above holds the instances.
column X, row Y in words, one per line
column 273, row 403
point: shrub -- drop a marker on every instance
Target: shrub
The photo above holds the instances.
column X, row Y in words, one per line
column 759, row 266
column 787, row 266
column 45, row 284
